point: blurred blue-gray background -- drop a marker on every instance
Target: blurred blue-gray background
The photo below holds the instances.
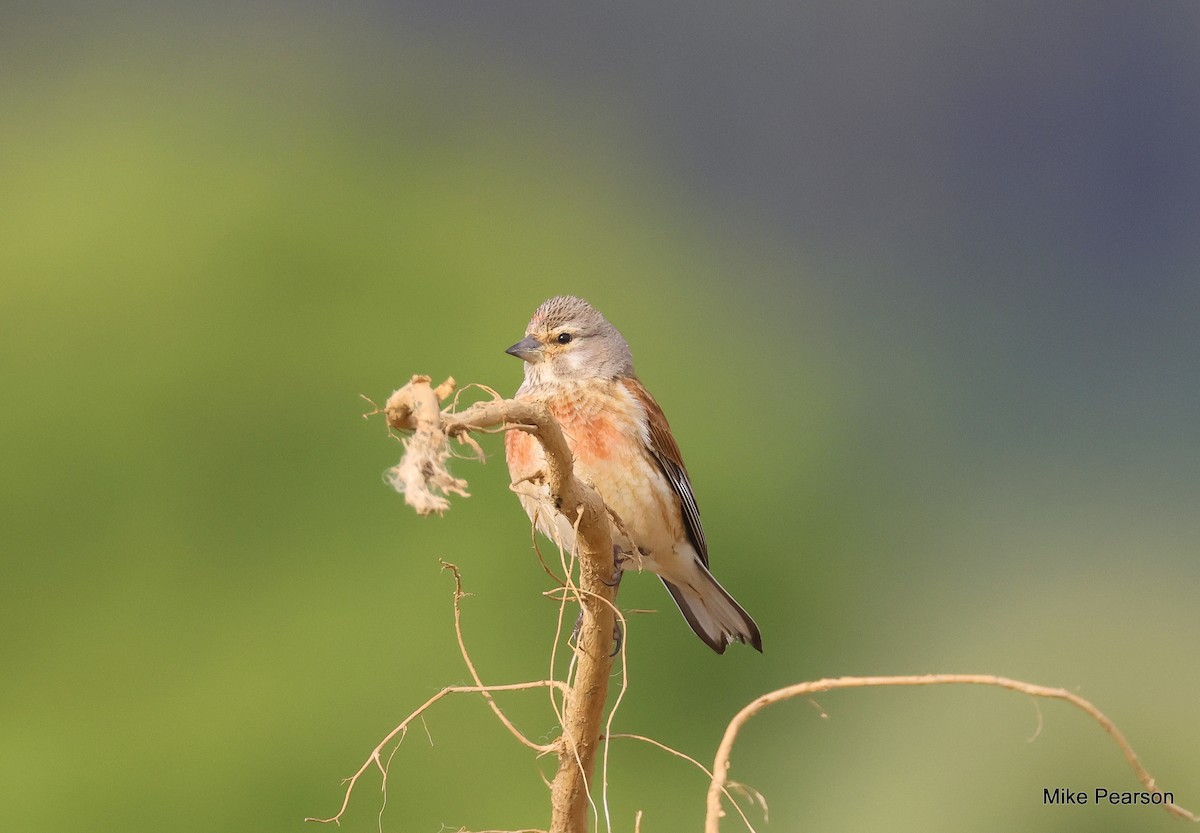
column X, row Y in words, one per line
column 917, row 283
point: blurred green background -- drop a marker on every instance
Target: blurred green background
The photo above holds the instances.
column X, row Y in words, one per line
column 917, row 283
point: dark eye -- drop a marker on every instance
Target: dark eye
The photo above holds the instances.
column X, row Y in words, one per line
column 564, row 338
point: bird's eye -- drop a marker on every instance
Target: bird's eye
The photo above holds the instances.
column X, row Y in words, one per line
column 564, row 338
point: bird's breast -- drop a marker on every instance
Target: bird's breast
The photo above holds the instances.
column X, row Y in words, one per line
column 605, row 429
column 599, row 424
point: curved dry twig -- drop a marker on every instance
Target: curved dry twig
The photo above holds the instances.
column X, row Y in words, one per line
column 721, row 762
column 376, row 756
column 689, row 759
column 540, row 748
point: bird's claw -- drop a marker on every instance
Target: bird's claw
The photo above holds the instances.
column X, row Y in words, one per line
column 617, row 568
column 618, row 638
column 618, row 634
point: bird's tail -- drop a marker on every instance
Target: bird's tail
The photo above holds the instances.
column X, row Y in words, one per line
column 713, row 614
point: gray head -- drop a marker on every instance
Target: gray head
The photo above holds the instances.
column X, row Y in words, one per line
column 567, row 340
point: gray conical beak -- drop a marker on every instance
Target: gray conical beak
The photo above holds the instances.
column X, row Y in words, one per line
column 528, row 349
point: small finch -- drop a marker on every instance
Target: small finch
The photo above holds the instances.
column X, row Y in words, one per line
column 579, row 365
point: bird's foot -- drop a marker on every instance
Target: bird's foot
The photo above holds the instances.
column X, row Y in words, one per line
column 618, row 634
column 619, row 559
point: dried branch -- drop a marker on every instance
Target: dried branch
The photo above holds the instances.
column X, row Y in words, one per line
column 541, row 749
column 421, row 475
column 376, row 756
column 425, row 481
column 673, row 751
column 721, row 762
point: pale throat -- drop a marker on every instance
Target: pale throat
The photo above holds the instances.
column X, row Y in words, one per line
column 558, row 370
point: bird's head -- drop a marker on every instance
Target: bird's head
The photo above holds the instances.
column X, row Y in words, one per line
column 568, row 340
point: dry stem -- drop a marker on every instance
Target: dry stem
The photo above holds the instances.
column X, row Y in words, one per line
column 376, row 756
column 541, row 749
column 721, row 762
column 425, row 481
column 421, row 475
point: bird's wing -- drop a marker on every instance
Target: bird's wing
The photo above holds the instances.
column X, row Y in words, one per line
column 666, row 453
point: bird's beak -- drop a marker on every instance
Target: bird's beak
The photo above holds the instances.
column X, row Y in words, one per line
column 527, row 349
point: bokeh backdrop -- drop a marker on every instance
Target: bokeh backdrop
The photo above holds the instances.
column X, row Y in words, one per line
column 918, row 284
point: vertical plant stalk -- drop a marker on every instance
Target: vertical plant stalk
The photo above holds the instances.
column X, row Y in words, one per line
column 425, row 481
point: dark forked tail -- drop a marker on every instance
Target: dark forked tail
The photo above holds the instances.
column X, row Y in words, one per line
column 713, row 614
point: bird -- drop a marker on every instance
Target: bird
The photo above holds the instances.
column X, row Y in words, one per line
column 580, row 366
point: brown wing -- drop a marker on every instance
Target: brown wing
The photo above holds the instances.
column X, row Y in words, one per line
column 666, row 454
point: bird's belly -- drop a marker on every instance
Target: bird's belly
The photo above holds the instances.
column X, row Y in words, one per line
column 644, row 507
column 646, row 510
